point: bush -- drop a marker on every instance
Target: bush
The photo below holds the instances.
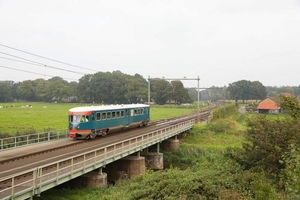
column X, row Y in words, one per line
column 290, row 176
column 225, row 111
column 266, row 142
column 220, row 126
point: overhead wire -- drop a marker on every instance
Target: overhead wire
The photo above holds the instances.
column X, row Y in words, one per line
column 47, row 58
column 31, row 72
column 37, row 63
column 32, row 62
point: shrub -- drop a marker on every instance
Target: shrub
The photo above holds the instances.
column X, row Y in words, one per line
column 266, row 142
column 225, row 111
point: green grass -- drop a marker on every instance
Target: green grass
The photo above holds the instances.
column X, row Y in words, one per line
column 209, row 140
column 158, row 113
column 275, row 117
column 55, row 116
column 18, row 119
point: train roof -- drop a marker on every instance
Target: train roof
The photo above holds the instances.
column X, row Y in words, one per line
column 107, row 107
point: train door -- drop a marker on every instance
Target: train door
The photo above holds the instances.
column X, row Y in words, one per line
column 127, row 115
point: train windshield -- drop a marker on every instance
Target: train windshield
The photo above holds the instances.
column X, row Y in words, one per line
column 75, row 118
column 78, row 118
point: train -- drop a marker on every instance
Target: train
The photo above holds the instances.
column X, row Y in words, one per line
column 92, row 121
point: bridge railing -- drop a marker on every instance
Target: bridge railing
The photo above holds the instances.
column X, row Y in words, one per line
column 24, row 140
column 50, row 175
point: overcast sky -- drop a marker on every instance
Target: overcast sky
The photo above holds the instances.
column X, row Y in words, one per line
column 219, row 41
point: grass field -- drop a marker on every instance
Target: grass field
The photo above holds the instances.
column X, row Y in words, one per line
column 45, row 116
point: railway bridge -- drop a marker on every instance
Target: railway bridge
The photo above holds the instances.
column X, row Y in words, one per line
column 30, row 170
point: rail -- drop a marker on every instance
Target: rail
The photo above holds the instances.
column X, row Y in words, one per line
column 24, row 140
column 50, row 175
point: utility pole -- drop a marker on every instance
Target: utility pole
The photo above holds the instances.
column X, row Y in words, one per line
column 149, row 90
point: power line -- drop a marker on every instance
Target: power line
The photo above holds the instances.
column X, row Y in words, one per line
column 47, row 58
column 31, row 62
column 20, row 70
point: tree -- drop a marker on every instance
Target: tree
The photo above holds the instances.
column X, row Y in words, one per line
column 193, row 94
column 57, row 88
column 286, row 89
column 179, row 94
column 112, row 88
column 297, row 91
column 246, row 90
column 259, row 91
column 5, row 92
column 136, row 89
column 26, row 90
column 102, row 87
column 119, row 83
column 41, row 89
column 84, row 90
column 73, row 86
column 160, row 90
column 14, row 92
column 291, row 106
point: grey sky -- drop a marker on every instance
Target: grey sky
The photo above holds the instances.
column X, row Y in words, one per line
column 219, row 41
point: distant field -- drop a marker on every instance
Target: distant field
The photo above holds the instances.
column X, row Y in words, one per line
column 45, row 116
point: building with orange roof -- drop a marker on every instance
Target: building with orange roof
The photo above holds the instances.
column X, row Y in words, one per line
column 268, row 106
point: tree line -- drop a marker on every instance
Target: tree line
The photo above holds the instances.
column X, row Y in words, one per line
column 101, row 87
column 117, row 88
column 245, row 90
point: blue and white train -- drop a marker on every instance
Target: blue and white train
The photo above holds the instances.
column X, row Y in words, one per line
column 89, row 122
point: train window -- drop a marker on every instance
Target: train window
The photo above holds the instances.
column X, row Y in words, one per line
column 122, row 113
column 142, row 111
column 139, row 111
column 98, row 117
column 113, row 114
column 103, row 117
column 108, row 115
column 135, row 111
column 118, row 114
column 75, row 118
column 93, row 117
column 84, row 118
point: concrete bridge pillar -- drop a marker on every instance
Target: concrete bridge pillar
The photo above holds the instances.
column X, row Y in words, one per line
column 127, row 167
column 181, row 135
column 154, row 160
column 94, row 179
column 170, row 144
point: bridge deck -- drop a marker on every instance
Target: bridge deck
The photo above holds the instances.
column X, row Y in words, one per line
column 26, row 150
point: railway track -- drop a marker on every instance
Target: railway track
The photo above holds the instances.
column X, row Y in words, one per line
column 21, row 159
column 59, row 147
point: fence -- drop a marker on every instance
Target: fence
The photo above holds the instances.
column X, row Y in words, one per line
column 23, row 140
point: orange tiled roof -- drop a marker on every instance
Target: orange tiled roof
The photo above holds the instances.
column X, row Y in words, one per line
column 268, row 104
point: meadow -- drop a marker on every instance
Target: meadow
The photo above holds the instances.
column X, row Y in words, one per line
column 17, row 118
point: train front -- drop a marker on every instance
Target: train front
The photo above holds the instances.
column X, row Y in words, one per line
column 79, row 123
